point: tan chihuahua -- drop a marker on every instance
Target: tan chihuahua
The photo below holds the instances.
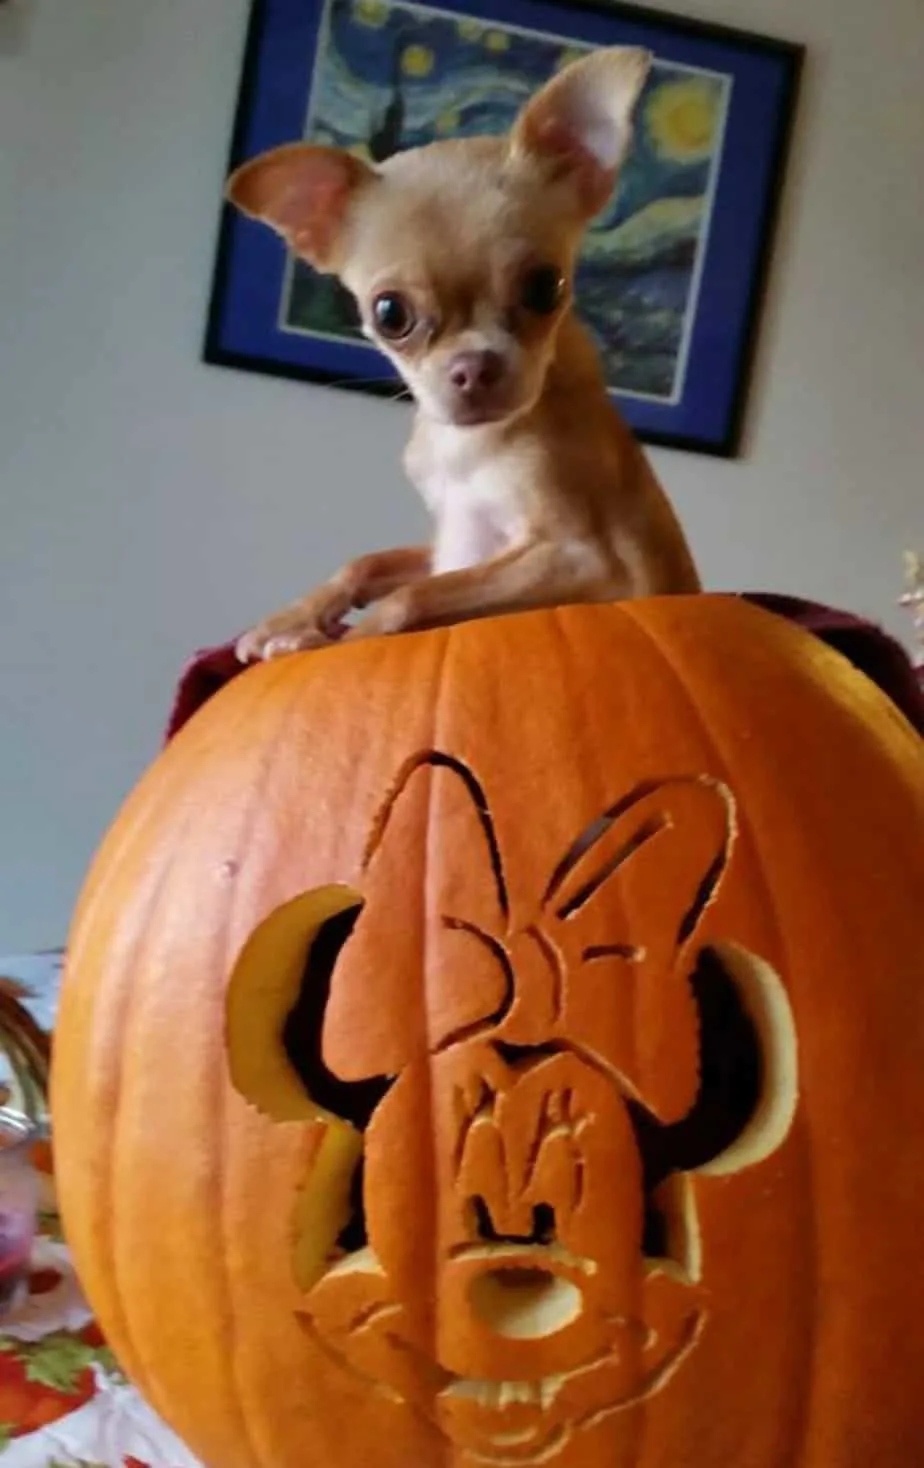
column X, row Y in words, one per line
column 461, row 256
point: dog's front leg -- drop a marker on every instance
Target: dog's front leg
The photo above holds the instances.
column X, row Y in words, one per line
column 317, row 620
column 538, row 574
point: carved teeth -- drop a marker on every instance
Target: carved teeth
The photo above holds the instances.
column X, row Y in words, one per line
column 549, row 1387
column 519, row 1391
column 500, row 1394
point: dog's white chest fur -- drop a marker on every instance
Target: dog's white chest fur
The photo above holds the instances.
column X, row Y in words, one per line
column 476, row 516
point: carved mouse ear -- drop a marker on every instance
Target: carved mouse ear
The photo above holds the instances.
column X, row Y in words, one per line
column 304, row 193
column 581, row 121
column 435, row 906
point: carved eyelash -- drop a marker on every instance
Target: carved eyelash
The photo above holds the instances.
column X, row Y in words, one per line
column 631, row 952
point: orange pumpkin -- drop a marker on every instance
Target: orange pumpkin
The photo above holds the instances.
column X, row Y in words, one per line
column 505, row 1046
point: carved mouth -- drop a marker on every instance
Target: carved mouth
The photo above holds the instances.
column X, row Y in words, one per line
column 517, row 1441
column 499, row 1426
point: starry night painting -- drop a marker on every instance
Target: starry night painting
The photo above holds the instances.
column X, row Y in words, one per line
column 672, row 275
column 393, row 76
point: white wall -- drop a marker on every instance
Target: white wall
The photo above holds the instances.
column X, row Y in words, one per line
column 151, row 504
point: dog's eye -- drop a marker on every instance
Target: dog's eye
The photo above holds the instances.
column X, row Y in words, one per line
column 541, row 289
column 393, row 316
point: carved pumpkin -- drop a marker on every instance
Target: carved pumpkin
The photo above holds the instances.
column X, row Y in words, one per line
column 505, row 1046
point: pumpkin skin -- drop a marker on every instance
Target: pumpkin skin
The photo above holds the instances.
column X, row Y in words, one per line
column 546, row 819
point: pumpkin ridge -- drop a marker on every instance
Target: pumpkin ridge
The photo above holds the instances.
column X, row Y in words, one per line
column 221, row 1107
column 447, row 1452
column 605, row 803
column 126, row 834
column 108, row 1190
column 799, row 1131
column 264, row 767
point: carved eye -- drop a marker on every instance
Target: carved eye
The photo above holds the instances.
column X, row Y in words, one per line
column 393, row 316
column 541, row 289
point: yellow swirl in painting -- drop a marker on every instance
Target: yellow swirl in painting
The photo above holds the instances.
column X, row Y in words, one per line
column 370, row 12
column 682, row 119
column 448, row 122
column 469, row 30
column 497, row 41
column 417, row 61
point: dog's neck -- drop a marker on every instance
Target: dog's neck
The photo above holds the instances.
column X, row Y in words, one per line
column 490, row 486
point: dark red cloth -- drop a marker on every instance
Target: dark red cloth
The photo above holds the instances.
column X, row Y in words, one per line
column 873, row 651
column 877, row 654
column 205, row 673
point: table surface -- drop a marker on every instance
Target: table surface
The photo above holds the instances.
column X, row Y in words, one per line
column 63, row 1401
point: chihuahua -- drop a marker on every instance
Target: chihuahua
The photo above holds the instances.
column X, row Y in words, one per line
column 461, row 257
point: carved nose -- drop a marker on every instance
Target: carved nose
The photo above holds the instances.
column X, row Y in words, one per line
column 522, row 1300
column 472, row 372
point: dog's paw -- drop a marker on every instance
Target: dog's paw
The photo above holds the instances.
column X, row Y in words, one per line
column 264, row 642
column 394, row 613
column 317, row 621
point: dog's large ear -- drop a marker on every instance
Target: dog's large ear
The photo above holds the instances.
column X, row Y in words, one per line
column 304, row 193
column 581, row 121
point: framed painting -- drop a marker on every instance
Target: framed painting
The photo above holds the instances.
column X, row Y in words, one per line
column 673, row 271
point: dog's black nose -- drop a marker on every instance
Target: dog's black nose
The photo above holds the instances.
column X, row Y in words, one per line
column 474, row 372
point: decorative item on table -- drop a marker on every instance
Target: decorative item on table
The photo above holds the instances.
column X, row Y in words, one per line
column 673, row 273
column 506, row 993
column 29, row 984
column 25, row 1054
column 18, row 1203
column 24, row 1062
column 37, row 977
column 914, row 599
